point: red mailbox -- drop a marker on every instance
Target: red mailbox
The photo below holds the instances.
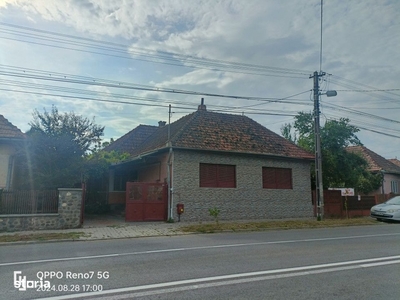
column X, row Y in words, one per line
column 180, row 208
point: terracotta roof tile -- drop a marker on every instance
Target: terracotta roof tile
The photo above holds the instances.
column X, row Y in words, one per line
column 8, row 130
column 130, row 141
column 204, row 130
column 395, row 161
column 376, row 162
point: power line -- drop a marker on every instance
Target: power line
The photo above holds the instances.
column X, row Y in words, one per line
column 369, row 91
column 269, row 112
column 91, row 81
column 357, row 112
column 149, row 55
column 353, row 85
column 69, row 78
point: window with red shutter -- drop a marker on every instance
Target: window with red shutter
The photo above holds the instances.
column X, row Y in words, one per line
column 277, row 178
column 216, row 175
column 208, row 175
column 268, row 177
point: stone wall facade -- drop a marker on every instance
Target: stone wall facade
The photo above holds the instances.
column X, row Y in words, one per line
column 68, row 216
column 249, row 200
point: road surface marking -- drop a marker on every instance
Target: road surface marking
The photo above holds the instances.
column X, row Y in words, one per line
column 240, row 278
column 193, row 248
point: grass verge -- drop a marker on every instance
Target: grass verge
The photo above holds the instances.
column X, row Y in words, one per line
column 40, row 237
column 279, row 224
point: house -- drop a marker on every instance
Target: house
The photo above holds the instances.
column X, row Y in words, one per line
column 378, row 164
column 395, row 161
column 10, row 139
column 215, row 160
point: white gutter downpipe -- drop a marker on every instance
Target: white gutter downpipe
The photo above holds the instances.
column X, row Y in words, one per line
column 170, row 185
column 169, row 171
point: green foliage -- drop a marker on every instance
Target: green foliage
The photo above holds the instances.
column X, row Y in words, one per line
column 97, row 164
column 95, row 175
column 340, row 167
column 57, row 145
column 287, row 133
column 304, row 126
column 214, row 212
column 369, row 182
column 80, row 133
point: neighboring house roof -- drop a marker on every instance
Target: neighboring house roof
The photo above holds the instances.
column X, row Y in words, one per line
column 204, row 130
column 8, row 130
column 130, row 141
column 376, row 162
column 395, row 161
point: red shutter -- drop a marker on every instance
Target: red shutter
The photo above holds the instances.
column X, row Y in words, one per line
column 277, row 178
column 283, row 178
column 226, row 176
column 268, row 175
column 212, row 175
column 208, row 175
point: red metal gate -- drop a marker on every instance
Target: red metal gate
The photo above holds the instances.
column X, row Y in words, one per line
column 146, row 202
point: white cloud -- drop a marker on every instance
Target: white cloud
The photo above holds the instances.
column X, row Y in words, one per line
column 360, row 43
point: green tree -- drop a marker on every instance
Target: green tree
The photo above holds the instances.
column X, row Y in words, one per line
column 96, row 178
column 98, row 163
column 56, row 148
column 340, row 167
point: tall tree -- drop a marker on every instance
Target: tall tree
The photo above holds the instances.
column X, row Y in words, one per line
column 340, row 167
column 56, row 148
column 83, row 133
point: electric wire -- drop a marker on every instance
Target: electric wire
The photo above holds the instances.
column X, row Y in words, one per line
column 91, row 81
column 150, row 55
column 212, row 64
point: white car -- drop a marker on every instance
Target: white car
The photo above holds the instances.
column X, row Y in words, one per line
column 389, row 210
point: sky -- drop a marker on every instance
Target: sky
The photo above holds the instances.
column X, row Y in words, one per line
column 123, row 62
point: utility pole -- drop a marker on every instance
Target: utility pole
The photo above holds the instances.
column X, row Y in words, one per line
column 319, row 189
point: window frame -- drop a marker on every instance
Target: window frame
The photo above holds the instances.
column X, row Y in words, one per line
column 217, row 175
column 277, row 178
column 394, row 186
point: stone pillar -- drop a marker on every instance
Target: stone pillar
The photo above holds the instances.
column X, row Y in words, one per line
column 69, row 207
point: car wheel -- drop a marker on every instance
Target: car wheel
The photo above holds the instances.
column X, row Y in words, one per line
column 379, row 219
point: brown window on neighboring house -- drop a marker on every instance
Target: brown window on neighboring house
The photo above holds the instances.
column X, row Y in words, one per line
column 214, row 175
column 277, row 178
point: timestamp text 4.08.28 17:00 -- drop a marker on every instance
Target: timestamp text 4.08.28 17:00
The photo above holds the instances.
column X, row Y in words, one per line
column 71, row 288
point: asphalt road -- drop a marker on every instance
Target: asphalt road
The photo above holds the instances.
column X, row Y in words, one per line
column 333, row 263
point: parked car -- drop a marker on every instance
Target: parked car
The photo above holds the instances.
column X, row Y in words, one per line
column 389, row 210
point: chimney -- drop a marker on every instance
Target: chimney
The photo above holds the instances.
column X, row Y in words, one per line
column 202, row 106
column 161, row 123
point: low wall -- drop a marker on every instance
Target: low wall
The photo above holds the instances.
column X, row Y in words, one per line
column 68, row 215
